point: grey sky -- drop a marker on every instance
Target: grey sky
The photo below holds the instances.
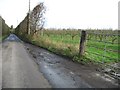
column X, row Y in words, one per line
column 65, row 13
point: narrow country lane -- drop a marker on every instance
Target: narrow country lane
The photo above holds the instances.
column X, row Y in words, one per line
column 18, row 70
column 28, row 66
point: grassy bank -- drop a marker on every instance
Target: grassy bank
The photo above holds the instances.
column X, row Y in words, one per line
column 68, row 46
column 3, row 37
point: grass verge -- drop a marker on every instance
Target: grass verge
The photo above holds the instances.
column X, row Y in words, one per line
column 70, row 48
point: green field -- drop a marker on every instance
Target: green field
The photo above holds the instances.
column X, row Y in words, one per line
column 99, row 47
column 3, row 37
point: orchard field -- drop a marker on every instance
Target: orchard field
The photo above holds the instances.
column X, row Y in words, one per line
column 101, row 45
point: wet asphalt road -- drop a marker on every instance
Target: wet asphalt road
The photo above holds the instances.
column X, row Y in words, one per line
column 28, row 66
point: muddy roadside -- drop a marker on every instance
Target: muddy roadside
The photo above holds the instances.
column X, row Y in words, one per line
column 64, row 73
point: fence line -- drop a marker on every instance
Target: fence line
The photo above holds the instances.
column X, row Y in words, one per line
column 115, row 51
column 102, row 55
column 105, row 44
column 103, row 41
column 106, row 48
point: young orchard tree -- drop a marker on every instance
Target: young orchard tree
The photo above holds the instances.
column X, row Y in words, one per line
column 37, row 19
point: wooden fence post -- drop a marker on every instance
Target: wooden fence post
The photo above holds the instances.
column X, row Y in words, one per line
column 82, row 43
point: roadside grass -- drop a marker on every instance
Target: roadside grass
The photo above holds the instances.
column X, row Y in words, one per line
column 0, row 38
column 3, row 37
column 54, row 46
column 64, row 39
column 66, row 46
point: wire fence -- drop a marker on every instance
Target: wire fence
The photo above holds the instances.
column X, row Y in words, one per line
column 105, row 46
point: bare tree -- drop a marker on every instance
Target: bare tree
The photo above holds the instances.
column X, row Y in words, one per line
column 37, row 18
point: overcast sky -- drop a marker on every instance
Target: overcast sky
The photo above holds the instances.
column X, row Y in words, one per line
column 65, row 13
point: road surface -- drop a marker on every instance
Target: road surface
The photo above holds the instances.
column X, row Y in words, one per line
column 18, row 70
column 28, row 66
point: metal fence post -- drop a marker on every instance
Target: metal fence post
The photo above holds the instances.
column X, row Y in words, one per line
column 82, row 43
